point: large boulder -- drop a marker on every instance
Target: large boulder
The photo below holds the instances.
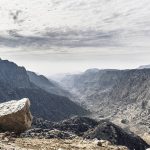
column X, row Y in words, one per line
column 15, row 115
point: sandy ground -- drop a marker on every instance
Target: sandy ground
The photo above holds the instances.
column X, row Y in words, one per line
column 56, row 144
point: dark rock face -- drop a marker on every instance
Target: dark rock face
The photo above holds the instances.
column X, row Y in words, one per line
column 15, row 84
column 65, row 129
column 116, row 135
column 42, row 129
column 76, row 125
column 43, row 124
column 46, row 134
column 86, row 128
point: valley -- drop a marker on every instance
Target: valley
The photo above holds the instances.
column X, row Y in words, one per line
column 121, row 96
column 109, row 105
column 74, row 75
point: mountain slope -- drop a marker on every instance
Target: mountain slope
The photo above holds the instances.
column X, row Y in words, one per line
column 115, row 94
column 15, row 84
column 46, row 84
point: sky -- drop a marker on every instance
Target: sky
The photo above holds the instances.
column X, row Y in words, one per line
column 68, row 36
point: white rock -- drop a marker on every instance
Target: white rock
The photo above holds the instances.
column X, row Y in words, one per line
column 15, row 115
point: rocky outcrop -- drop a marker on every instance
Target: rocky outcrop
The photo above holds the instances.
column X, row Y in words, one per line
column 111, row 132
column 15, row 115
column 88, row 129
column 76, row 125
column 47, row 134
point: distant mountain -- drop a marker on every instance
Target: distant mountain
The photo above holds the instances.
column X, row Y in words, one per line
column 47, row 84
column 120, row 95
column 144, row 67
column 15, row 84
column 93, row 70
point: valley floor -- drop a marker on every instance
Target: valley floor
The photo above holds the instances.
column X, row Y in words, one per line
column 57, row 144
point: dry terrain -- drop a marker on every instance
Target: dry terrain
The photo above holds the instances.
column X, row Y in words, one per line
column 56, row 144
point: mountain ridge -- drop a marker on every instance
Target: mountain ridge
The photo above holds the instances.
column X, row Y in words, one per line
column 115, row 94
column 47, row 84
column 144, row 67
column 15, row 84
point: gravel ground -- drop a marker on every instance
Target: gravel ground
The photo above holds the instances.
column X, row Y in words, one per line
column 57, row 144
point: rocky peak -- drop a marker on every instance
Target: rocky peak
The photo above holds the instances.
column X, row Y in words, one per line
column 13, row 75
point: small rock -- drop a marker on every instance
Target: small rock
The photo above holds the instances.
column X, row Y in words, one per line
column 97, row 142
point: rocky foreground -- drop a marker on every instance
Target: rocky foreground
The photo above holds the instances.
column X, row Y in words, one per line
column 71, row 134
column 86, row 128
column 57, row 144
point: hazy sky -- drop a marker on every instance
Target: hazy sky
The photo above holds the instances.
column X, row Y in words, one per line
column 57, row 36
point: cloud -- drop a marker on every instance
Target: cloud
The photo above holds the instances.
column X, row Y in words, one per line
column 59, row 38
column 74, row 24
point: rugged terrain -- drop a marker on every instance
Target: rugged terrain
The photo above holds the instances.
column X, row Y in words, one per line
column 17, row 133
column 115, row 98
column 15, row 84
column 119, row 95
column 18, row 129
column 72, row 134
column 57, row 144
column 86, row 128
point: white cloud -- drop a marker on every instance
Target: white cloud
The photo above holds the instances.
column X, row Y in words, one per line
column 75, row 30
column 74, row 22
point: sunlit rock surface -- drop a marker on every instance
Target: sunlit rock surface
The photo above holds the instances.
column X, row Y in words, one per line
column 15, row 115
